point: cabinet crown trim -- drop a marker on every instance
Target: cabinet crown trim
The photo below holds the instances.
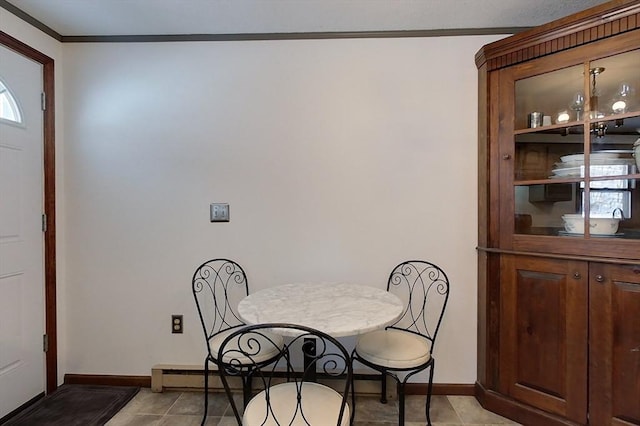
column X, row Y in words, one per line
column 597, row 23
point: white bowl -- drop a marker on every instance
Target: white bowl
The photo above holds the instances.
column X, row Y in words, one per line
column 636, row 152
column 574, row 223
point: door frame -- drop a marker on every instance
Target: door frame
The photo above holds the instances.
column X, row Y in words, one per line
column 49, row 204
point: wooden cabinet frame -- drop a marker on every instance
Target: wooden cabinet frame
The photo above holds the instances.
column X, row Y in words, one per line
column 600, row 383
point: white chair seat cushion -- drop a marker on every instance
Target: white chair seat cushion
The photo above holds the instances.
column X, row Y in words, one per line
column 267, row 349
column 394, row 348
column 320, row 405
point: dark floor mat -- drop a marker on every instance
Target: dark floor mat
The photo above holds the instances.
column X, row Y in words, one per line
column 76, row 405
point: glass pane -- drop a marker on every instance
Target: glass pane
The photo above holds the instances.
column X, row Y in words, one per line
column 542, row 154
column 616, row 205
column 540, row 208
column 610, row 204
column 8, row 107
column 554, row 98
column 615, row 127
column 614, row 84
column 558, row 168
column 612, row 145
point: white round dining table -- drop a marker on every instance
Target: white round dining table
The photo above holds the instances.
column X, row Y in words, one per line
column 338, row 309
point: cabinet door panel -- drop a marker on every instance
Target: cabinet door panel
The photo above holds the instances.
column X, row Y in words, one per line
column 543, row 354
column 614, row 350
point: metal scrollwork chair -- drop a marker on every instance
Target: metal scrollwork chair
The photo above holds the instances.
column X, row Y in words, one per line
column 406, row 346
column 218, row 285
column 287, row 395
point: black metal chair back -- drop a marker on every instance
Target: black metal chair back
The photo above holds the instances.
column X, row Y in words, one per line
column 287, row 381
column 218, row 286
column 424, row 289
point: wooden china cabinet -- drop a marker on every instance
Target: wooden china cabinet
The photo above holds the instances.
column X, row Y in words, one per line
column 559, row 221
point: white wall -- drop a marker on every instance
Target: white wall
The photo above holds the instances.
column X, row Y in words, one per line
column 38, row 40
column 339, row 158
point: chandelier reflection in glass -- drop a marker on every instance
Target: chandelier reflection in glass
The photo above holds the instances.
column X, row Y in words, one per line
column 594, row 98
column 594, row 104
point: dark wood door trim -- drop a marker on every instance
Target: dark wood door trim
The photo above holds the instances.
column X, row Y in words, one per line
column 49, row 202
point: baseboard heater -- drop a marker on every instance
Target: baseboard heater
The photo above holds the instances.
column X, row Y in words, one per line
column 191, row 377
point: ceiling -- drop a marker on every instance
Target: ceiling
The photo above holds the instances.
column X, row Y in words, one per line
column 79, row 18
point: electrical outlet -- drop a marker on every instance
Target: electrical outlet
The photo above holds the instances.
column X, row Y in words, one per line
column 176, row 324
column 219, row 212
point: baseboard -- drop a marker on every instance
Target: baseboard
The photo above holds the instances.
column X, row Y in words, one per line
column 171, row 376
column 107, row 380
column 190, row 377
column 462, row 389
column 24, row 406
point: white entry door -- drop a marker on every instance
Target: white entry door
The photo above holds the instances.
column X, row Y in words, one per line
column 22, row 362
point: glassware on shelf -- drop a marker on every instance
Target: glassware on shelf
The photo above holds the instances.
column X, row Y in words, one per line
column 563, row 117
column 622, row 99
column 577, row 105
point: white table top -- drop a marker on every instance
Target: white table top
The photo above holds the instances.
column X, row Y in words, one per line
column 338, row 309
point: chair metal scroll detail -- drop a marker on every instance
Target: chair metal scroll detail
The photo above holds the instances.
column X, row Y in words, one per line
column 287, row 396
column 406, row 346
column 218, row 285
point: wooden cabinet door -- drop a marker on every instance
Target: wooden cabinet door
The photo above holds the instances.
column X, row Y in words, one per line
column 614, row 344
column 543, row 334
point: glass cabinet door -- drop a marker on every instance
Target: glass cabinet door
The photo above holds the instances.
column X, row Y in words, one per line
column 577, row 150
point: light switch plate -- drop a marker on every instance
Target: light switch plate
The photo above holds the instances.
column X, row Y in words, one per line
column 219, row 212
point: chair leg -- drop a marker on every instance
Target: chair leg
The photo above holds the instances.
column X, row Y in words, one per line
column 206, row 391
column 400, row 404
column 429, row 389
column 247, row 390
column 353, row 400
column 383, row 385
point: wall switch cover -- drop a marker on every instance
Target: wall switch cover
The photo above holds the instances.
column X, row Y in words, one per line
column 219, row 212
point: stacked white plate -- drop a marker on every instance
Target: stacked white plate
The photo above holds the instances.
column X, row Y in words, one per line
column 603, row 163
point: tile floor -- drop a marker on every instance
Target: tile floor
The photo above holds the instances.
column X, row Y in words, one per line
column 172, row 408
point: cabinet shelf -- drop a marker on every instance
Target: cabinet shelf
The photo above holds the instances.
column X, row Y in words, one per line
column 556, row 129
column 574, row 180
column 628, row 124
